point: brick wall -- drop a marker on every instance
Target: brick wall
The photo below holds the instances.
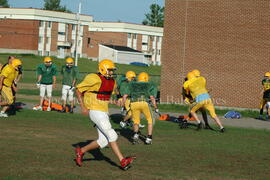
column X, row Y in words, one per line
column 19, row 34
column 228, row 41
column 54, row 37
column 105, row 38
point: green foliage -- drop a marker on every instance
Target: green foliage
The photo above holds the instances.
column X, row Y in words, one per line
column 155, row 17
column 4, row 3
column 54, row 5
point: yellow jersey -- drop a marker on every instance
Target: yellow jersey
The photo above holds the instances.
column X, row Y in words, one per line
column 10, row 74
column 196, row 86
column 88, row 86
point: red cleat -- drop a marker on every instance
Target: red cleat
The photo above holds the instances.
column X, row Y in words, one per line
column 79, row 156
column 126, row 162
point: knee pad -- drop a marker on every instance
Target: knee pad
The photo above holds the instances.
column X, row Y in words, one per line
column 102, row 142
column 112, row 136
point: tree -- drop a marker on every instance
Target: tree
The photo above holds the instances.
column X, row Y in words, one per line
column 155, row 17
column 4, row 3
column 54, row 5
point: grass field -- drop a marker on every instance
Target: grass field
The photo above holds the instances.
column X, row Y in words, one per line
column 30, row 62
column 39, row 145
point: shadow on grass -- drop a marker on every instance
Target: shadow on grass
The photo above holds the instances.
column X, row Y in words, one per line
column 116, row 118
column 96, row 153
column 125, row 132
column 14, row 108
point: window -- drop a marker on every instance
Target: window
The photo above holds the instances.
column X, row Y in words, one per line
column 41, row 23
column 159, row 52
column 73, row 27
column 47, row 53
column 40, row 53
column 39, row 39
column 88, row 41
column 135, row 36
column 61, row 33
column 49, row 24
column 47, row 40
column 144, row 43
column 157, row 39
column 129, row 35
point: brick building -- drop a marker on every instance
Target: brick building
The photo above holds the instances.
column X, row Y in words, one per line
column 50, row 33
column 46, row 33
column 146, row 39
column 228, row 41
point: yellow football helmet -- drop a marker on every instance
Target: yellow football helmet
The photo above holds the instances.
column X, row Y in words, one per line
column 143, row 77
column 130, row 75
column 47, row 59
column 105, row 65
column 16, row 63
column 196, row 72
column 69, row 60
column 191, row 75
column 267, row 74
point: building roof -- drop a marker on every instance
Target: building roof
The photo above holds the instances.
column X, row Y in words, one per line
column 44, row 15
column 121, row 48
column 125, row 27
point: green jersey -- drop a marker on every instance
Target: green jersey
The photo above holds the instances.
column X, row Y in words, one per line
column 140, row 91
column 69, row 75
column 47, row 73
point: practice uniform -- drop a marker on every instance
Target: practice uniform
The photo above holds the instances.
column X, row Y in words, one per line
column 139, row 94
column 10, row 75
column 197, row 89
column 69, row 75
column 266, row 93
column 97, row 91
column 122, row 88
column 47, row 73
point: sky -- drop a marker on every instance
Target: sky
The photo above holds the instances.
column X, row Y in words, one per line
column 132, row 11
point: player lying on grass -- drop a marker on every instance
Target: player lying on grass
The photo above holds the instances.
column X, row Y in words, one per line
column 94, row 94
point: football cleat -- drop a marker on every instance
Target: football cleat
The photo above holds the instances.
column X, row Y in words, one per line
column 222, row 130
column 2, row 114
column 199, row 126
column 126, row 162
column 135, row 139
column 79, row 156
column 71, row 111
column 123, row 124
column 37, row 108
column 148, row 141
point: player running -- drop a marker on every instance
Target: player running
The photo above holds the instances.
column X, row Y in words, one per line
column 94, row 94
